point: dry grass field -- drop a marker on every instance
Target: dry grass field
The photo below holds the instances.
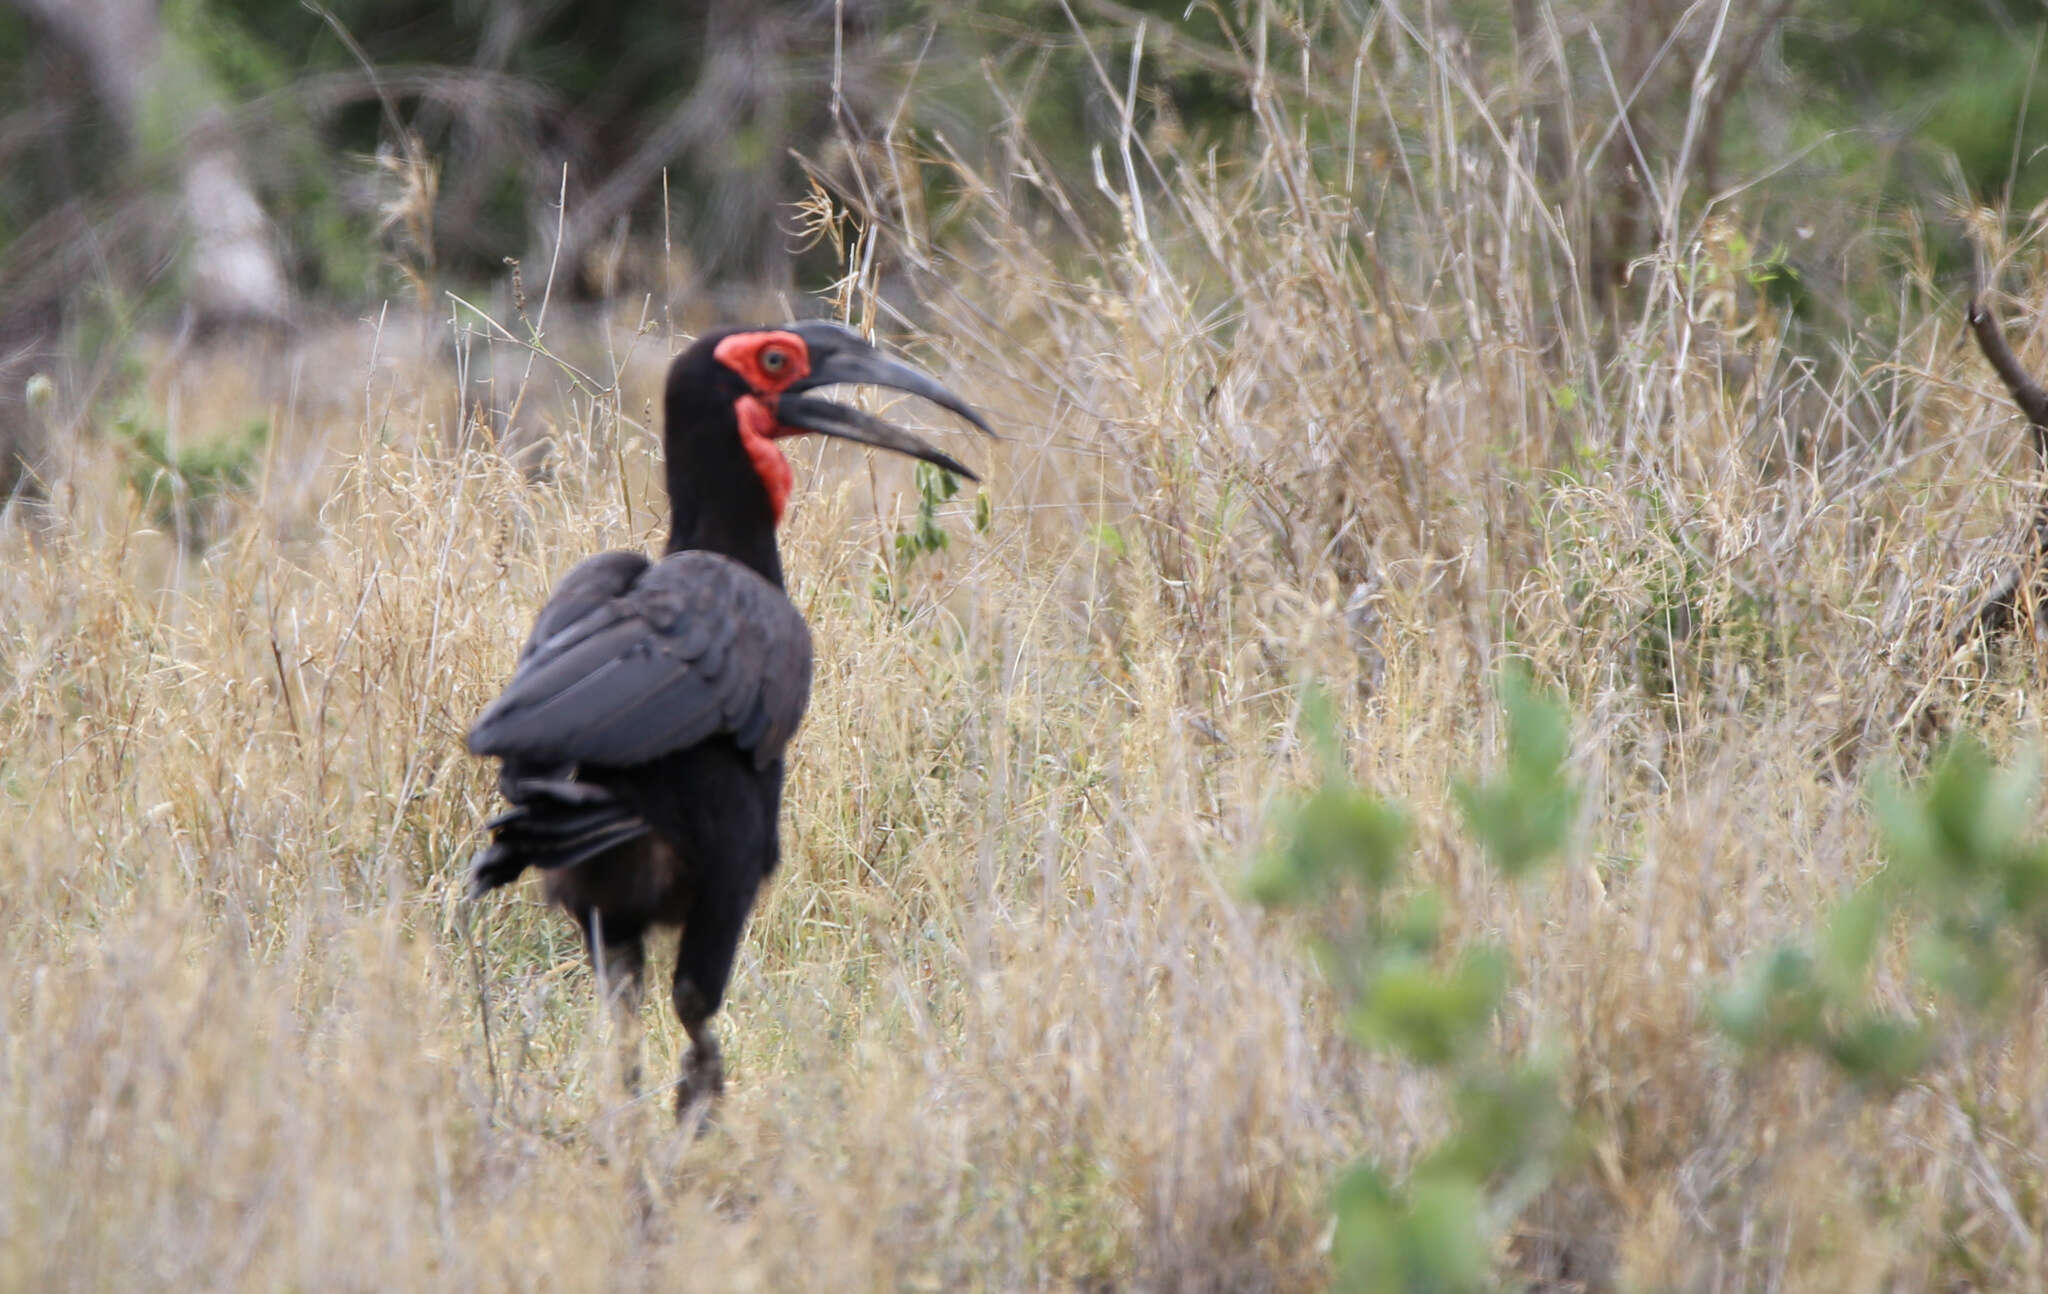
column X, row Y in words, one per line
column 1006, row 1019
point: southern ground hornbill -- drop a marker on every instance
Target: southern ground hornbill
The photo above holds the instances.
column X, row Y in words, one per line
column 643, row 731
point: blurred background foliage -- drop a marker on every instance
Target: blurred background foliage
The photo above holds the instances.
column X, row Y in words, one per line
column 1898, row 106
column 209, row 163
column 345, row 117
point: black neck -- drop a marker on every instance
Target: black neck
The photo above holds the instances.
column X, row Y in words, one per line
column 717, row 502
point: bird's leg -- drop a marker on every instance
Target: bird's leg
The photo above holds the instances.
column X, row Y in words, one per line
column 620, row 964
column 711, row 935
column 701, row 1072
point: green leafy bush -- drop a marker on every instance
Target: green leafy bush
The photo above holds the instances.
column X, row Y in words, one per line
column 1342, row 854
column 1969, row 879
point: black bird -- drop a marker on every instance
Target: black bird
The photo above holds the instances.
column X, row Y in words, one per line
column 642, row 734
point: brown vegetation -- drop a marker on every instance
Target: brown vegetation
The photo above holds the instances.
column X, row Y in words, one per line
column 1005, row 1021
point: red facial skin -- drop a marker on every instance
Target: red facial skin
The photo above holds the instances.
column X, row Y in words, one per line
column 752, row 356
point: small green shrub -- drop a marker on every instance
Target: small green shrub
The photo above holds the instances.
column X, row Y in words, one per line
column 1342, row 854
column 1969, row 880
column 935, row 485
column 178, row 486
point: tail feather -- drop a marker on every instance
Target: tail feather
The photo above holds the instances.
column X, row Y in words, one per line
column 554, row 822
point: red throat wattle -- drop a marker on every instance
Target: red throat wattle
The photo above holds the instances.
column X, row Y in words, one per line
column 757, row 436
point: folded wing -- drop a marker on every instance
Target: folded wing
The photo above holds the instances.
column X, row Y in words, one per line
column 633, row 660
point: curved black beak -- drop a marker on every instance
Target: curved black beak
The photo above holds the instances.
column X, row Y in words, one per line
column 839, row 357
column 828, row 419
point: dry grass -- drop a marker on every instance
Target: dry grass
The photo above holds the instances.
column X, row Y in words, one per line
column 1004, row 1020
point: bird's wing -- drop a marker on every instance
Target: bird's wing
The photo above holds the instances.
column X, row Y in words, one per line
column 628, row 665
column 593, row 582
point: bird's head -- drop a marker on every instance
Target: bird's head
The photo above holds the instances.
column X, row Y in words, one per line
column 761, row 374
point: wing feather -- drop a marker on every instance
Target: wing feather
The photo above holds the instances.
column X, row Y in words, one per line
column 632, row 660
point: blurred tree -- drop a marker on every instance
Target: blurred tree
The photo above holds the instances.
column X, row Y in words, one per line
column 172, row 115
column 153, row 170
column 312, row 148
column 534, row 127
column 1914, row 85
column 712, row 94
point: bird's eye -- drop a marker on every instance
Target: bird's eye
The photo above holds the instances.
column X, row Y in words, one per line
column 774, row 360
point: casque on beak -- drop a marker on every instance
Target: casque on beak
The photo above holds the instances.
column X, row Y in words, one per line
column 839, row 358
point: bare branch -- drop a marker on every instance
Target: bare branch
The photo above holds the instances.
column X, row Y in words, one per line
column 2026, row 393
column 1999, row 609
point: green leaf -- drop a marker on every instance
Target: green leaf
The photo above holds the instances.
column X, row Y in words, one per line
column 1523, row 816
column 1433, row 1016
column 1336, row 833
column 1964, row 962
column 1508, row 1118
column 1880, row 1050
column 1446, row 1247
column 1417, row 929
column 935, row 484
column 2026, row 884
column 1428, row 1238
column 1370, row 1232
column 1968, row 821
column 1776, row 1004
column 1851, row 939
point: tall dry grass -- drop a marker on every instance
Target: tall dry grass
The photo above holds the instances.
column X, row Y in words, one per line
column 1004, row 1020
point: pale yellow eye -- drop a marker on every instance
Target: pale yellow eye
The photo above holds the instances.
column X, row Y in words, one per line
column 774, row 360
